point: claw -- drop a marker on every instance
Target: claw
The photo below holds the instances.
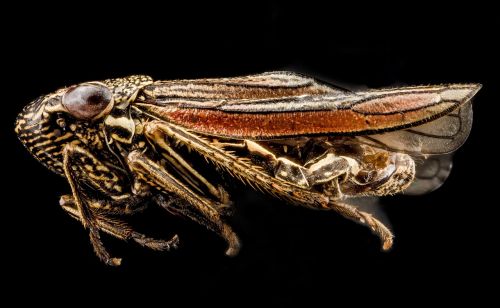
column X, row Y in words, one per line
column 225, row 210
column 114, row 262
column 234, row 244
column 233, row 251
column 387, row 244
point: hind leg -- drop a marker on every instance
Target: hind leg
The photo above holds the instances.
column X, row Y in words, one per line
column 364, row 218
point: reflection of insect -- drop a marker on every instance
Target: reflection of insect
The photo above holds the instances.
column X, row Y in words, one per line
column 123, row 142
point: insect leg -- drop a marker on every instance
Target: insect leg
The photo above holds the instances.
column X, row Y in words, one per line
column 119, row 229
column 366, row 219
column 198, row 208
column 218, row 192
column 73, row 166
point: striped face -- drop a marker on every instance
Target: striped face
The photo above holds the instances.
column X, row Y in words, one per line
column 43, row 132
column 80, row 114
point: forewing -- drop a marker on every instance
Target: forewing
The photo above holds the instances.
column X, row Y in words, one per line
column 216, row 92
column 440, row 136
column 278, row 105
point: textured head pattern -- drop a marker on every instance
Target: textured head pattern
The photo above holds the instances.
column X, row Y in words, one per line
column 46, row 125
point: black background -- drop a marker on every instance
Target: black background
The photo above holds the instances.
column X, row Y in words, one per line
column 445, row 241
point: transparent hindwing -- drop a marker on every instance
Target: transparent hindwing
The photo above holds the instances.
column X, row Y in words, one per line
column 432, row 145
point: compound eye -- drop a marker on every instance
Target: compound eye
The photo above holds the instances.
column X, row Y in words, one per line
column 88, row 101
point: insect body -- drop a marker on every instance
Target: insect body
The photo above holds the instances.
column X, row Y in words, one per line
column 124, row 143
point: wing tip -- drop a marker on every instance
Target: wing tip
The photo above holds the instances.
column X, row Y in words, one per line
column 460, row 92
